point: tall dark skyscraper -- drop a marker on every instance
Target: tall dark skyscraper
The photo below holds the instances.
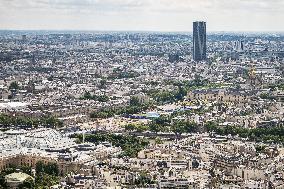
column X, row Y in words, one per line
column 199, row 41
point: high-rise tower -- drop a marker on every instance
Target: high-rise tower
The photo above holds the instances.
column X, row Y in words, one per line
column 199, row 41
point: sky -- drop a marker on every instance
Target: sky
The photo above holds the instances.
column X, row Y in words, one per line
column 142, row 15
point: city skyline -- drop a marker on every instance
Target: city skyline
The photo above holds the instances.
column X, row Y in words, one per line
column 142, row 15
column 142, row 94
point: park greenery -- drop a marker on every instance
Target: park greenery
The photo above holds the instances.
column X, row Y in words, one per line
column 46, row 176
column 134, row 101
column 165, row 96
column 197, row 82
column 273, row 134
column 180, row 91
column 164, row 124
column 143, row 180
column 29, row 122
column 159, row 97
column 14, row 86
column 12, row 169
column 129, row 144
column 266, row 96
column 100, row 98
column 277, row 86
column 126, row 110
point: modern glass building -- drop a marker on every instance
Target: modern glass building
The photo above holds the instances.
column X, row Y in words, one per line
column 199, row 41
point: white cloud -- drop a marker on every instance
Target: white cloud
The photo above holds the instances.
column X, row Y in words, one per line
column 142, row 14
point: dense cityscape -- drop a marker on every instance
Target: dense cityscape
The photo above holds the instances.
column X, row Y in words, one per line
column 141, row 94
column 141, row 110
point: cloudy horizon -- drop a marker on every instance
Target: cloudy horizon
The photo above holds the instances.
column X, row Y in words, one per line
column 142, row 15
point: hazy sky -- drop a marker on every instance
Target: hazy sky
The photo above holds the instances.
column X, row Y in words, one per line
column 151, row 15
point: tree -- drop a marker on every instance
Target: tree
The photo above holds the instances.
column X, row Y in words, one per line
column 264, row 95
column 134, row 101
column 87, row 95
column 158, row 140
column 26, row 169
column 211, row 126
column 49, row 168
column 130, row 127
column 45, row 181
column 162, row 120
column 130, row 145
column 39, row 167
column 52, row 169
column 143, row 180
column 14, row 86
column 155, row 127
column 22, row 121
column 178, row 128
column 102, row 84
column 190, row 127
column 101, row 98
column 29, row 183
column 181, row 93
